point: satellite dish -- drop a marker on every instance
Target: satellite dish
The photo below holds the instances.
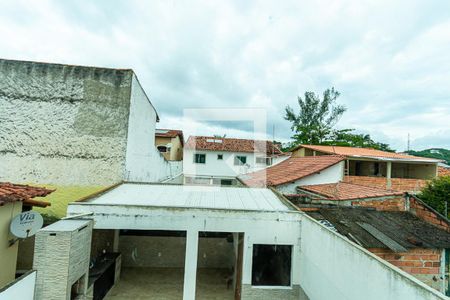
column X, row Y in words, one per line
column 26, row 224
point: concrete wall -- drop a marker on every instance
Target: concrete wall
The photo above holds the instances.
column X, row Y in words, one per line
column 332, row 174
column 63, row 124
column 282, row 228
column 332, row 267
column 22, row 288
column 144, row 163
column 255, row 293
column 8, row 254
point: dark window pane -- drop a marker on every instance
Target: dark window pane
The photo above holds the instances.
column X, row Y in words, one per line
column 199, row 158
column 240, row 160
column 271, row 265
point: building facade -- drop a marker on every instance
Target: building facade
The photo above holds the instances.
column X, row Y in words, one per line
column 213, row 160
column 170, row 143
column 377, row 168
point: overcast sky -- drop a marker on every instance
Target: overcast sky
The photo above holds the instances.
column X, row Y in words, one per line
column 390, row 60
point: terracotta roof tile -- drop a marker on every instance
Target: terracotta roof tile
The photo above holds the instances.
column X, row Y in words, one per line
column 10, row 192
column 231, row 145
column 169, row 133
column 290, row 170
column 364, row 152
column 347, row 191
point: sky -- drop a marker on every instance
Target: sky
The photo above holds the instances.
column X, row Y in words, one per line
column 390, row 60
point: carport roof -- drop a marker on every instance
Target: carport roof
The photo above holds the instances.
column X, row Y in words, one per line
column 185, row 196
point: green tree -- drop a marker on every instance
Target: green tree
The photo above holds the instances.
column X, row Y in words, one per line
column 315, row 121
column 345, row 137
column 437, row 193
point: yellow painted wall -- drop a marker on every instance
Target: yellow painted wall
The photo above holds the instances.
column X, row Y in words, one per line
column 63, row 196
column 176, row 151
column 8, row 255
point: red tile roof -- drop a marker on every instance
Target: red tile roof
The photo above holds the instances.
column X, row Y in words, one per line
column 170, row 133
column 347, row 191
column 231, row 145
column 363, row 152
column 290, row 170
column 10, row 192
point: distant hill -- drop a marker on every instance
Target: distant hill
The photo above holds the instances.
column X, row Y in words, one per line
column 437, row 153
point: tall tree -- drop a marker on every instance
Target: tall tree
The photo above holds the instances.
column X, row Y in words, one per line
column 316, row 118
column 315, row 121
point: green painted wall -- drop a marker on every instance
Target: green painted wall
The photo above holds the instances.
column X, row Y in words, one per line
column 63, row 196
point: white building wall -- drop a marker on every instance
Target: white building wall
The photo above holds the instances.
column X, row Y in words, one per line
column 22, row 289
column 219, row 168
column 282, row 228
column 332, row 174
column 332, row 267
column 144, row 163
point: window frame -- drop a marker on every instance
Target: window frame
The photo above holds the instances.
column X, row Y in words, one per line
column 290, row 269
column 241, row 163
column 165, row 146
column 266, row 160
column 219, row 156
column 199, row 155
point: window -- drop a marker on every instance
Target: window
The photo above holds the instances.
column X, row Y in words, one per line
column 271, row 265
column 219, row 156
column 240, row 160
column 163, row 149
column 264, row 160
column 226, row 182
column 199, row 158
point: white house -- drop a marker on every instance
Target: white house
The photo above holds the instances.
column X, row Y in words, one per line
column 298, row 171
column 213, row 160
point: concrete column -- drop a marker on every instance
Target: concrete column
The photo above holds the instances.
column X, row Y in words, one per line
column 116, row 240
column 388, row 174
column 190, row 265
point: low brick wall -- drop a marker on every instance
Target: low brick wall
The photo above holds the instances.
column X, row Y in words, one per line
column 424, row 264
column 398, row 184
column 427, row 214
column 392, row 204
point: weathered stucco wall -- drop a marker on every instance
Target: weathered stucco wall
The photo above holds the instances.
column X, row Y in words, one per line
column 63, row 124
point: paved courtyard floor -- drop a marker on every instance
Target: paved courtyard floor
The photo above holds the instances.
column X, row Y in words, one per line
column 167, row 284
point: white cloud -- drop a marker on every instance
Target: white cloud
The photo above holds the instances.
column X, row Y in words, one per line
column 389, row 59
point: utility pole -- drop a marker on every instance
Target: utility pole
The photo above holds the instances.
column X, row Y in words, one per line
column 408, row 147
